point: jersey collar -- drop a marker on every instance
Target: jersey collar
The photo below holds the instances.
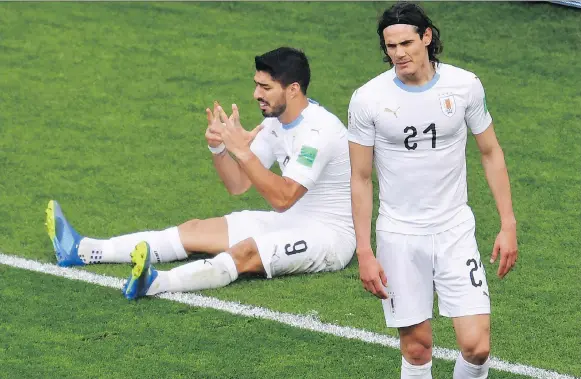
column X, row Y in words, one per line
column 421, row 88
column 298, row 120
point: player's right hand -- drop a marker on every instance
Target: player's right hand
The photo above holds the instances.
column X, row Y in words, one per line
column 372, row 275
column 235, row 119
column 214, row 127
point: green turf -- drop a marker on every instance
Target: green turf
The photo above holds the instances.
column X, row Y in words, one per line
column 158, row 338
column 101, row 108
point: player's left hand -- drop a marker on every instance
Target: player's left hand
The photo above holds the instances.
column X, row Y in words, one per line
column 235, row 137
column 506, row 245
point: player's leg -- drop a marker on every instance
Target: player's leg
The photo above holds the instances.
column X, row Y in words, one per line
column 311, row 248
column 473, row 336
column 415, row 343
column 304, row 246
column 216, row 272
column 71, row 248
column 407, row 262
column 208, row 236
column 463, row 295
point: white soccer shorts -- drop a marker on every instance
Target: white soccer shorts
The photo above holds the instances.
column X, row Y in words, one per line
column 417, row 265
column 291, row 244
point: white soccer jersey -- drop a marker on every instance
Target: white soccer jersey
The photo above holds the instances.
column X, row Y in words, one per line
column 419, row 138
column 313, row 150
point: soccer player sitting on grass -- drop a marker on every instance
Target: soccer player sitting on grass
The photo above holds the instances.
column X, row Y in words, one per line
column 310, row 229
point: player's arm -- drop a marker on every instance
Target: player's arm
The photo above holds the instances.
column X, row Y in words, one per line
column 498, row 181
column 361, row 150
column 496, row 175
column 362, row 196
column 480, row 122
column 280, row 192
column 234, row 178
column 370, row 271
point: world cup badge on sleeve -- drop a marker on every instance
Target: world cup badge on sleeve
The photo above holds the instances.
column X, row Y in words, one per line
column 448, row 105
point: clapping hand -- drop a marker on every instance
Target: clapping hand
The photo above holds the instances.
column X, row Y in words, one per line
column 229, row 130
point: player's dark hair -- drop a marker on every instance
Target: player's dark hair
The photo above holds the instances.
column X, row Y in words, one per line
column 410, row 14
column 286, row 66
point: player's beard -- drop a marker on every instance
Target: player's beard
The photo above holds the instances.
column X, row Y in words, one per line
column 276, row 110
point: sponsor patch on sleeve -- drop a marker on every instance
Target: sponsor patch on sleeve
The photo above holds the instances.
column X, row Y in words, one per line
column 307, row 156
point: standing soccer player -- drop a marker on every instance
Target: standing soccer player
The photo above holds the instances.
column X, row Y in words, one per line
column 412, row 121
column 310, row 229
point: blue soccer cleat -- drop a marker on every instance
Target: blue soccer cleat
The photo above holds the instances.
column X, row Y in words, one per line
column 65, row 239
column 142, row 274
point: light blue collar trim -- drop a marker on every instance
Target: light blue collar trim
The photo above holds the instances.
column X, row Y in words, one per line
column 421, row 88
column 293, row 123
column 297, row 120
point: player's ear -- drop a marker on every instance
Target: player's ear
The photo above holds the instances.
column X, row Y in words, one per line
column 295, row 89
column 427, row 38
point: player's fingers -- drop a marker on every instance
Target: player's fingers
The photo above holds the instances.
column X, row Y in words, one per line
column 223, row 117
column 235, row 115
column 512, row 260
column 219, row 113
column 216, row 111
column 213, row 137
column 209, row 116
column 503, row 266
column 367, row 286
column 383, row 277
column 255, row 131
column 379, row 290
column 216, row 129
column 494, row 254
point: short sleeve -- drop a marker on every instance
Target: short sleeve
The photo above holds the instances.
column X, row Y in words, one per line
column 361, row 128
column 477, row 116
column 308, row 163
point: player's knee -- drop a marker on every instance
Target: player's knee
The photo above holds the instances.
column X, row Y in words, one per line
column 476, row 351
column 246, row 257
column 416, row 353
column 416, row 347
column 189, row 227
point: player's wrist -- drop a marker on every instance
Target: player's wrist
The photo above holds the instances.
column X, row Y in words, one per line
column 218, row 150
column 243, row 155
column 508, row 224
column 364, row 251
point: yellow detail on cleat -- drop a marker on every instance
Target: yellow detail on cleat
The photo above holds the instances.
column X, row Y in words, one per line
column 138, row 257
column 50, row 224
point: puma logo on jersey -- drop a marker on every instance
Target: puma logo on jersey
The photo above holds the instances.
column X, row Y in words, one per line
column 391, row 111
column 274, row 133
column 316, row 130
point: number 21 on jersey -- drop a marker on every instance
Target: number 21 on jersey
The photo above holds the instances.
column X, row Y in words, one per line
column 412, row 132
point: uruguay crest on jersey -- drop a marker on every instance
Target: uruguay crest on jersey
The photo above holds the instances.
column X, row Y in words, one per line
column 448, row 105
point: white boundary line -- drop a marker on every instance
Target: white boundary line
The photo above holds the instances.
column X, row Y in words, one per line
column 300, row 321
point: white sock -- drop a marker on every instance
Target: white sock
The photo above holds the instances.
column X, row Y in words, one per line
column 202, row 274
column 165, row 246
column 467, row 370
column 409, row 371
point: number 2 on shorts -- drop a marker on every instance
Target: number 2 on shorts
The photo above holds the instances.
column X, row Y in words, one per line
column 470, row 262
